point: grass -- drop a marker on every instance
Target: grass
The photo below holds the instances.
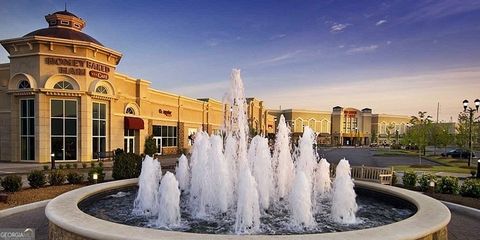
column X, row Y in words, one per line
column 453, row 165
column 433, row 169
column 380, row 152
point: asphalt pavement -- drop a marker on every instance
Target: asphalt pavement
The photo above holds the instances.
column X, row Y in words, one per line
column 366, row 156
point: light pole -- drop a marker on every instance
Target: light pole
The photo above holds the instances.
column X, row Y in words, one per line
column 471, row 111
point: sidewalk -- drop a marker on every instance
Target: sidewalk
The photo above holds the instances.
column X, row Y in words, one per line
column 7, row 168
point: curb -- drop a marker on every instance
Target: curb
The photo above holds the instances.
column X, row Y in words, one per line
column 26, row 207
column 464, row 209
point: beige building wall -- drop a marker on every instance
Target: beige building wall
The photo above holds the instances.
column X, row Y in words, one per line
column 44, row 60
column 389, row 128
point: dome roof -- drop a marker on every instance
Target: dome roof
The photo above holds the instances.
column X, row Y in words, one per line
column 65, row 13
column 65, row 25
column 65, row 33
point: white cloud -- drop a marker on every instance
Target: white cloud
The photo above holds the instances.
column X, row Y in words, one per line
column 338, row 27
column 381, row 22
column 363, row 49
column 280, row 58
column 212, row 42
column 404, row 95
column 278, row 36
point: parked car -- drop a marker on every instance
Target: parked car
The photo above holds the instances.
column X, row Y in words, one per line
column 458, row 153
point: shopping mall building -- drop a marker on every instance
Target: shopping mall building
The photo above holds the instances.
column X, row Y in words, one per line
column 61, row 94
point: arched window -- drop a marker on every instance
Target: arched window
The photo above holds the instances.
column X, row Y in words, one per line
column 102, row 90
column 24, row 84
column 64, row 85
column 130, row 111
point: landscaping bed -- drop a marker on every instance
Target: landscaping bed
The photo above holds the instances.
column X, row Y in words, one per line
column 30, row 195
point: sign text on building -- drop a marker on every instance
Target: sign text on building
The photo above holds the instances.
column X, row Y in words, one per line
column 76, row 67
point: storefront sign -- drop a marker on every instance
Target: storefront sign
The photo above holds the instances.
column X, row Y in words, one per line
column 76, row 67
column 98, row 75
column 167, row 113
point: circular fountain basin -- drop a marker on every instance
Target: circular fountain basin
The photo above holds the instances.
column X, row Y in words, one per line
column 67, row 221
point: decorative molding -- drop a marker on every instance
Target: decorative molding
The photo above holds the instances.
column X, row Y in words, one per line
column 102, row 96
column 65, row 93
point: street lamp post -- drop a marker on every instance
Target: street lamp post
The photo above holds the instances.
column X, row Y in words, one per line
column 470, row 111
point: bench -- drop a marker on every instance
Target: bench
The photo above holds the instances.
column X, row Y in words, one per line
column 105, row 155
column 373, row 174
column 369, row 174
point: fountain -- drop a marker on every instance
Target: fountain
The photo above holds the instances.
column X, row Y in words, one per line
column 344, row 205
column 282, row 159
column 232, row 185
column 323, row 184
column 146, row 202
column 261, row 165
column 182, row 173
column 169, row 202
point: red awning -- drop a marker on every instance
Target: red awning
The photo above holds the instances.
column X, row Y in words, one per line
column 133, row 123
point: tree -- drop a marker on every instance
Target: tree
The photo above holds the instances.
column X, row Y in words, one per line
column 150, row 147
column 444, row 138
column 389, row 132
column 418, row 131
column 461, row 138
column 374, row 136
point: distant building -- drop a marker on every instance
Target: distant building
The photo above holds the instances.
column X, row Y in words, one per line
column 345, row 126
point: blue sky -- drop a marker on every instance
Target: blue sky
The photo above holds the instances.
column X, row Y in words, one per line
column 395, row 57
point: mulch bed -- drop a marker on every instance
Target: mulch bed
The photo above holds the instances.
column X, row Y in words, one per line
column 465, row 201
column 30, row 195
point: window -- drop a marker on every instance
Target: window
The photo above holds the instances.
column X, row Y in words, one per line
column 101, row 89
column 158, row 143
column 27, row 129
column 168, row 135
column 99, row 128
column 63, row 116
column 130, row 111
column 24, row 84
column 129, row 140
column 64, row 85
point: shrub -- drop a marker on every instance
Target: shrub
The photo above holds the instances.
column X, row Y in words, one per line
column 448, row 185
column 424, row 181
column 92, row 164
column 118, row 151
column 36, row 179
column 471, row 188
column 150, row 147
column 74, row 178
column 127, row 165
column 473, row 172
column 84, row 165
column 409, row 179
column 100, row 175
column 68, row 165
column 396, row 146
column 100, row 164
column 75, row 165
column 12, row 183
column 56, row 177
column 45, row 167
column 61, row 166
